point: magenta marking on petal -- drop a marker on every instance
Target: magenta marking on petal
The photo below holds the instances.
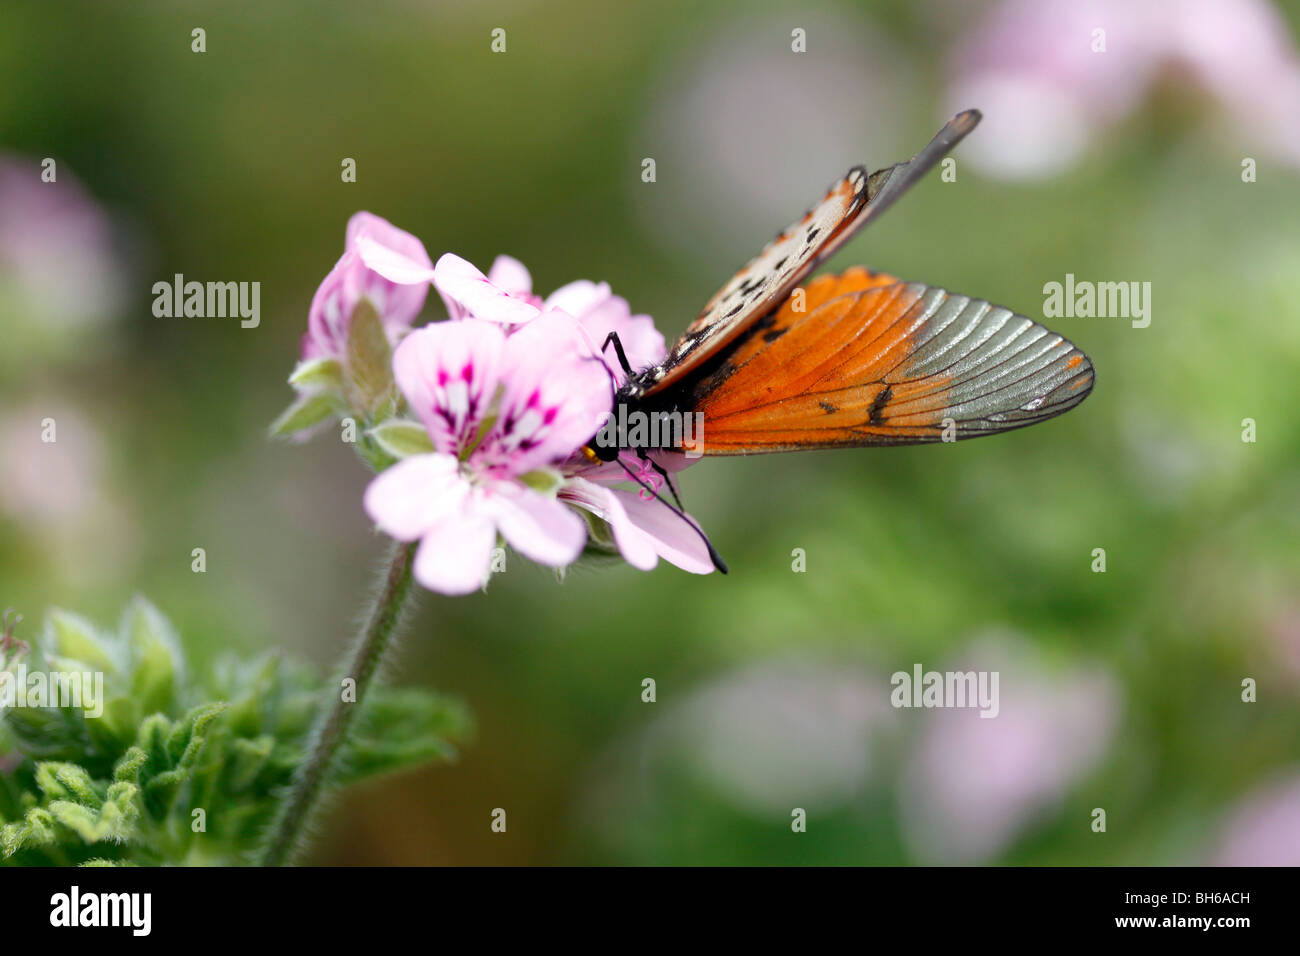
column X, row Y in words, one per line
column 467, row 373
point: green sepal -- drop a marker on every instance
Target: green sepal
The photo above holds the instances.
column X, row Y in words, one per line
column 401, row 438
column 317, row 374
column 306, row 412
column 368, row 375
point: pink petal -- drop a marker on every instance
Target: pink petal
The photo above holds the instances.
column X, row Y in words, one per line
column 455, row 555
column 449, row 373
column 600, row 312
column 635, row 545
column 410, row 497
column 391, row 264
column 331, row 310
column 579, row 296
column 539, row 528
column 398, row 303
column 555, row 394
column 366, row 225
column 672, row 538
column 510, row 276
column 461, row 283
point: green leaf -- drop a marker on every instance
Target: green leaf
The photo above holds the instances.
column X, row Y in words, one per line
column 72, row 636
column 400, row 728
column 119, row 790
column 368, row 379
column 306, row 412
column 155, row 657
column 401, row 438
column 58, row 780
column 36, row 828
column 317, row 373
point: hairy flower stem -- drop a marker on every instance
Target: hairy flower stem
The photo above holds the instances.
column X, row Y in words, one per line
column 331, row 729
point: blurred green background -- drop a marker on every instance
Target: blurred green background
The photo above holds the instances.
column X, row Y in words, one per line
column 1120, row 690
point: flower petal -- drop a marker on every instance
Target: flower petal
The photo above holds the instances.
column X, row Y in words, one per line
column 636, row 546
column 510, row 276
column 392, row 264
column 672, row 538
column 398, row 303
column 600, row 312
column 408, row 498
column 554, row 395
column 540, row 528
column 455, row 555
column 461, row 283
column 449, row 373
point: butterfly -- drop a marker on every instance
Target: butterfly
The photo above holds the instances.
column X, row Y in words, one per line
column 854, row 359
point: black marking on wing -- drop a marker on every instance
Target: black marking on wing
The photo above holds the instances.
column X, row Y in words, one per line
column 874, row 416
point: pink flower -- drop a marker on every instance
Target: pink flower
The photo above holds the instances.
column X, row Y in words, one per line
column 496, row 408
column 973, row 785
column 1264, row 828
column 1050, row 74
column 582, row 314
column 351, row 280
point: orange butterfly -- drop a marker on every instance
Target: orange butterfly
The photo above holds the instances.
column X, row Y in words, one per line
column 849, row 360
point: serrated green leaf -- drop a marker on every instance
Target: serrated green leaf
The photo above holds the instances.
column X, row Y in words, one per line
column 129, row 767
column 401, row 728
column 36, row 828
column 317, row 373
column 59, row 780
column 402, row 438
column 155, row 657
column 112, row 821
column 73, row 638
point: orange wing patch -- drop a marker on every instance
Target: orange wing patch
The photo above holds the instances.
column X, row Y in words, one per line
column 807, row 298
column 885, row 364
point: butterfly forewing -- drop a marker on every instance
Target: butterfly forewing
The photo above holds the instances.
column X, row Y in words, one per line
column 766, row 280
column 896, row 364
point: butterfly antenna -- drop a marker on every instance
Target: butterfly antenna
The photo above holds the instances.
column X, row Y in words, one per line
column 613, row 339
column 713, row 553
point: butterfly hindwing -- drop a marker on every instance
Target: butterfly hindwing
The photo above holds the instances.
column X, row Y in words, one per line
column 885, row 363
column 766, row 280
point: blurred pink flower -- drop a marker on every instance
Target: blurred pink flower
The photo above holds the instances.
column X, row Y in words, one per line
column 351, row 280
column 1046, row 94
column 496, row 408
column 973, row 784
column 1264, row 828
column 61, row 266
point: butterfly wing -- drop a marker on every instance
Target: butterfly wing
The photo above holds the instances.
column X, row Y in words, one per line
column 876, row 361
column 767, row 279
